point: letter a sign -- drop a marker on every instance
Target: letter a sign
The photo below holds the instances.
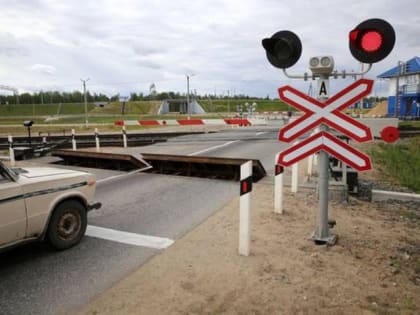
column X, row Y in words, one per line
column 323, row 88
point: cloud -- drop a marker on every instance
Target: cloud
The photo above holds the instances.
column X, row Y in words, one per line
column 45, row 69
column 10, row 46
column 147, row 63
column 127, row 44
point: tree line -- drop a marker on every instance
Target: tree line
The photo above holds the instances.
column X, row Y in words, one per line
column 55, row 97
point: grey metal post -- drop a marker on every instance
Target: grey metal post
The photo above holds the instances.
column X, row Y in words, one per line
column 322, row 233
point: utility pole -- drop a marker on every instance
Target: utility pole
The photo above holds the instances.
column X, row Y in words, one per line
column 85, row 99
column 397, row 90
column 188, row 92
column 228, row 101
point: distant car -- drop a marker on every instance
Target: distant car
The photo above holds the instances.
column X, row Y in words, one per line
column 44, row 203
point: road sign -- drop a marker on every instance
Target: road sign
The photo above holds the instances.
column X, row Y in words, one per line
column 328, row 113
column 323, row 88
column 390, row 134
column 329, row 143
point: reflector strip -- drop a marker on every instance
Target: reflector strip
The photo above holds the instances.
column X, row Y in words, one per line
column 246, row 185
column 278, row 169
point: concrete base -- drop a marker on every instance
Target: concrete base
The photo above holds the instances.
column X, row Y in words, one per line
column 337, row 192
column 382, row 195
column 329, row 240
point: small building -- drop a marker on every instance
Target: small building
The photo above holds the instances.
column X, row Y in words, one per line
column 404, row 89
column 180, row 106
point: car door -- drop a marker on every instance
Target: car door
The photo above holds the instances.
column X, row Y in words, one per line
column 12, row 211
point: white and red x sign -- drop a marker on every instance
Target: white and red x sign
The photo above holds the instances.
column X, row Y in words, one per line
column 329, row 143
column 328, row 113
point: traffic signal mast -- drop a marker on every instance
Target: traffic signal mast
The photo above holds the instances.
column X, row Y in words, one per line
column 369, row 42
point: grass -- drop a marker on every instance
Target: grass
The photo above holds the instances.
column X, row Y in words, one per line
column 133, row 108
column 400, row 162
column 409, row 125
column 43, row 109
column 224, row 105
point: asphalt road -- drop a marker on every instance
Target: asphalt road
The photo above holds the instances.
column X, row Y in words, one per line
column 37, row 280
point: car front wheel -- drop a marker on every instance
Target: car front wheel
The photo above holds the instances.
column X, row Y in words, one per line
column 68, row 224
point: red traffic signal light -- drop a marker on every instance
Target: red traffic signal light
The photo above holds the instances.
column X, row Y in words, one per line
column 283, row 49
column 372, row 40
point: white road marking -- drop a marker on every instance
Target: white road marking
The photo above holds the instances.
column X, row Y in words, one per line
column 260, row 133
column 213, row 148
column 128, row 238
column 99, row 181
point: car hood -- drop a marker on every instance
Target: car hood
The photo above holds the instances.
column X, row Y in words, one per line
column 39, row 172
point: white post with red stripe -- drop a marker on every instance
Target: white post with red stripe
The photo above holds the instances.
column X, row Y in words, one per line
column 245, row 209
column 295, row 175
column 73, row 140
column 278, row 186
column 98, row 146
column 124, row 133
column 11, row 151
column 310, row 163
column 344, row 173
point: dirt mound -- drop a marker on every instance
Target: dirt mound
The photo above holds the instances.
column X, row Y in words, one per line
column 380, row 110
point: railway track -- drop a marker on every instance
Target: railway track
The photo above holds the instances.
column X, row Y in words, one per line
column 409, row 133
column 115, row 139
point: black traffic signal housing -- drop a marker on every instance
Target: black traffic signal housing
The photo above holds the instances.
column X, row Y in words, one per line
column 283, row 49
column 372, row 40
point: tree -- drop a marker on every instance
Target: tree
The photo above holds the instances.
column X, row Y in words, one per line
column 25, row 98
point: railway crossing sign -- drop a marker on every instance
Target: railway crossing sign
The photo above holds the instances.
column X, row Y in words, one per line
column 369, row 42
column 329, row 113
column 329, row 143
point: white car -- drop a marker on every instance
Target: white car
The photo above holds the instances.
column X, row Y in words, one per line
column 44, row 203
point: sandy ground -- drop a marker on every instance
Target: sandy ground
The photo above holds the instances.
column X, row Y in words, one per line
column 380, row 110
column 373, row 269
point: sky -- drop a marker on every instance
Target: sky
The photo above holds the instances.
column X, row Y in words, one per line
column 125, row 46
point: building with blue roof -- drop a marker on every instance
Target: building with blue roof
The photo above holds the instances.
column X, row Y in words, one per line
column 404, row 89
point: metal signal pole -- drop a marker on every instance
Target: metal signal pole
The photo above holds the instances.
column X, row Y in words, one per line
column 322, row 233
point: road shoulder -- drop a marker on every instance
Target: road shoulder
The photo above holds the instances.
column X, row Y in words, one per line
column 372, row 268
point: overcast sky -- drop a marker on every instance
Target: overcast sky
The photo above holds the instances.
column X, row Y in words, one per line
column 124, row 46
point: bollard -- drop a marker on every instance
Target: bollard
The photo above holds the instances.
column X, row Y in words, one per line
column 73, row 140
column 124, row 133
column 11, row 151
column 295, row 175
column 310, row 163
column 278, row 186
column 98, row 148
column 310, row 160
column 245, row 209
column 344, row 173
